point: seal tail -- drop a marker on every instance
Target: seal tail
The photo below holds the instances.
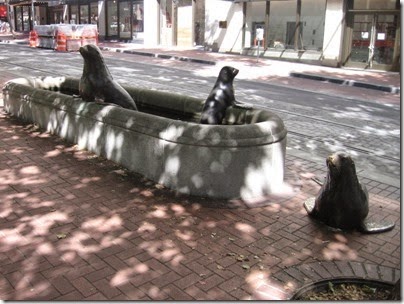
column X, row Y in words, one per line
column 370, row 227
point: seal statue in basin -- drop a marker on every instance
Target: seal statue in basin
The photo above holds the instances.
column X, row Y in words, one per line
column 343, row 202
column 97, row 81
column 221, row 97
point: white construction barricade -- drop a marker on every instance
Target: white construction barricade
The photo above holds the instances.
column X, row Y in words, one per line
column 64, row 37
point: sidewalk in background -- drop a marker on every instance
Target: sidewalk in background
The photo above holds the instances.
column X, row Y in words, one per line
column 264, row 67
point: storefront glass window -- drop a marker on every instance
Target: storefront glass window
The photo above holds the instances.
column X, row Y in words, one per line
column 94, row 12
column 283, row 27
column 18, row 13
column 84, row 14
column 112, row 18
column 125, row 31
column 255, row 20
column 25, row 18
column 374, row 4
column 312, row 20
column 74, row 14
column 138, row 17
column 282, row 24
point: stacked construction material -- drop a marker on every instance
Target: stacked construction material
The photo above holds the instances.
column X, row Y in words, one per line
column 64, row 37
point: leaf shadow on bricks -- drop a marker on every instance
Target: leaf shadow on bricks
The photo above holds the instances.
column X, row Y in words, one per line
column 75, row 226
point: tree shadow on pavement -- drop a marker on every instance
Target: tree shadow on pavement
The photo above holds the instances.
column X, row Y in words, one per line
column 75, row 226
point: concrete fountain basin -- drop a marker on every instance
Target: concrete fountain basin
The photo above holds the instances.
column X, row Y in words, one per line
column 243, row 158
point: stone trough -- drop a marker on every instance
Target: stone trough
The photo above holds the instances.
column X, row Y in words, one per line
column 243, row 158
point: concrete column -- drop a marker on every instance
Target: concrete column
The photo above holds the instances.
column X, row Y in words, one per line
column 333, row 33
column 151, row 23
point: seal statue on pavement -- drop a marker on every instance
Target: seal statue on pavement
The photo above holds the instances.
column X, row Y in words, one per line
column 342, row 201
column 97, row 81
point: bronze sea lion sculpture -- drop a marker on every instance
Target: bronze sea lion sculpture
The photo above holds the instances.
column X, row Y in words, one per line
column 342, row 201
column 221, row 97
column 97, row 81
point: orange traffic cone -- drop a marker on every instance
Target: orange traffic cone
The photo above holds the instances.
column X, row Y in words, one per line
column 61, row 42
column 33, row 39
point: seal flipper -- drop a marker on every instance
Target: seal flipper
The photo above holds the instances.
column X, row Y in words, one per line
column 309, row 205
column 242, row 105
column 369, row 226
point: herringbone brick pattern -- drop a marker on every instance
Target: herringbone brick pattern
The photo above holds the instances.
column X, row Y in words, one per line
column 74, row 226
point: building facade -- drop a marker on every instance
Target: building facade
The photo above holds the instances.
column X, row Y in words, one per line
column 358, row 33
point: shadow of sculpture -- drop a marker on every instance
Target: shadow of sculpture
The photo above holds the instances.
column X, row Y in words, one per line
column 342, row 201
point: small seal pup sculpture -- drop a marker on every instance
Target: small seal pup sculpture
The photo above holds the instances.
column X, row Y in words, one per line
column 97, row 81
column 342, row 201
column 220, row 98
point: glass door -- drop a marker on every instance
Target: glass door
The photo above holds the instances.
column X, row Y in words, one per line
column 373, row 41
column 125, row 29
column 112, row 19
column 384, row 39
column 361, row 40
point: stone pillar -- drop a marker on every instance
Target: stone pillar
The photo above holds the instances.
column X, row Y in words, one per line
column 333, row 33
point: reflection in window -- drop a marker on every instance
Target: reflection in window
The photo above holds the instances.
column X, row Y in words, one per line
column 112, row 18
column 84, row 14
column 138, row 17
column 94, row 12
column 312, row 21
column 282, row 24
column 374, row 4
column 18, row 12
column 74, row 14
column 25, row 17
column 124, row 20
column 255, row 20
column 283, row 27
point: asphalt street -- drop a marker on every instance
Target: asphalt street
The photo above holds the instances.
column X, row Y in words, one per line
column 317, row 124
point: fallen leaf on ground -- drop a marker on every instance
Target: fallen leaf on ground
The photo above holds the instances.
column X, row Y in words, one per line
column 61, row 236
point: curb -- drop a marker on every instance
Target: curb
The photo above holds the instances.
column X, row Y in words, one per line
column 347, row 82
column 353, row 83
column 157, row 55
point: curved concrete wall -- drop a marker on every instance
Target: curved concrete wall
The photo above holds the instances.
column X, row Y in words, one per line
column 163, row 141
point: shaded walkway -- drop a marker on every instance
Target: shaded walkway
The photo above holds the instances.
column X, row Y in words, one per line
column 74, row 226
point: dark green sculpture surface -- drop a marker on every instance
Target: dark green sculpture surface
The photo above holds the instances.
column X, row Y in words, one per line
column 97, row 81
column 343, row 202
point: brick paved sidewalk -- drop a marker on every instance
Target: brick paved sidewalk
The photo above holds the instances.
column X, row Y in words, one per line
column 74, row 226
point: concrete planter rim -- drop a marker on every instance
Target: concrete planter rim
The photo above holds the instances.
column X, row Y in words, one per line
column 322, row 284
column 260, row 133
